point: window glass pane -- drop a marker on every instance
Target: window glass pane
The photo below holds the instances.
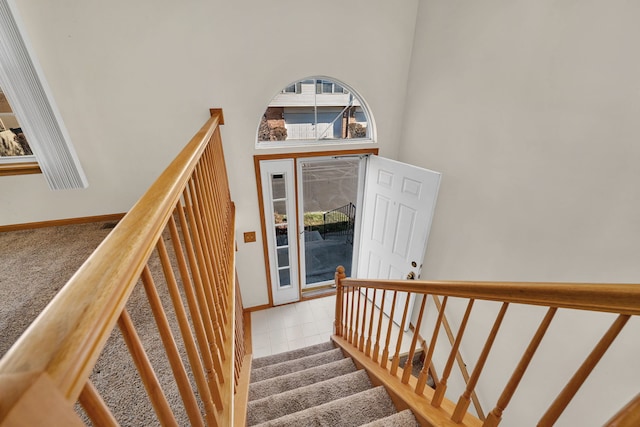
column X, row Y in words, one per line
column 278, row 186
column 12, row 139
column 329, row 216
column 285, row 279
column 282, row 235
column 319, row 110
column 283, row 257
column 280, row 211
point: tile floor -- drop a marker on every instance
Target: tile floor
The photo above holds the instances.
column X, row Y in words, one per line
column 292, row 326
column 302, row 324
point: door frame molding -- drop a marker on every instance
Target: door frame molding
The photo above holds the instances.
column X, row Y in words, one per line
column 295, row 156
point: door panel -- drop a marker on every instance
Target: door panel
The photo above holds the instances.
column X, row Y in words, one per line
column 399, row 201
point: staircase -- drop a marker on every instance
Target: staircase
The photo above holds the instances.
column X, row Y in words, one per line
column 318, row 386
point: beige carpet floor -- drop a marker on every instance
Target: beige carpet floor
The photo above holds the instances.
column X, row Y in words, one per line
column 36, row 264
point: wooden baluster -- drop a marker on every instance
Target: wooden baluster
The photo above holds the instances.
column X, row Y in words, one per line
column 239, row 341
column 211, row 237
column 396, row 357
column 364, row 318
column 356, row 338
column 495, row 416
column 576, row 381
column 240, row 336
column 461, row 365
column 345, row 319
column 217, row 227
column 353, row 299
column 465, row 399
column 211, row 251
column 208, row 282
column 408, row 367
column 225, row 227
column 337, row 323
column 214, row 372
column 441, row 388
column 385, row 352
column 190, row 344
column 179, row 372
column 95, row 407
column 148, row 376
column 219, row 156
column 424, row 373
column 376, row 347
column 367, row 349
column 210, row 197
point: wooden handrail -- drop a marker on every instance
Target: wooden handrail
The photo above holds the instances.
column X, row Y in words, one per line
column 604, row 297
column 66, row 339
column 629, row 416
column 620, row 299
column 62, row 345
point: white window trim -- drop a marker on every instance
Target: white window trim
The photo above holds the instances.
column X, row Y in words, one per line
column 26, row 89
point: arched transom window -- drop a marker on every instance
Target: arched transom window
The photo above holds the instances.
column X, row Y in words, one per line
column 317, row 110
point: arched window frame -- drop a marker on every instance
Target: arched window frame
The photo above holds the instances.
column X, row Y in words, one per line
column 295, row 88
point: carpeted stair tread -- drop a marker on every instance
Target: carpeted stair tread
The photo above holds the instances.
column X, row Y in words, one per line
column 354, row 410
column 290, row 355
column 302, row 398
column 401, row 419
column 262, row 389
column 295, row 365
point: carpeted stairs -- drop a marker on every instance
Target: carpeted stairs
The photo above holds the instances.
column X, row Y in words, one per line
column 318, row 386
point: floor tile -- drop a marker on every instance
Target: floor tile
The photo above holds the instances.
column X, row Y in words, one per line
column 260, row 340
column 277, row 336
column 279, row 347
column 293, row 326
column 294, row 333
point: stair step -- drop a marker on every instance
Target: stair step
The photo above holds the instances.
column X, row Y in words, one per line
column 354, row 410
column 262, row 389
column 294, row 365
column 293, row 354
column 401, row 419
column 302, row 398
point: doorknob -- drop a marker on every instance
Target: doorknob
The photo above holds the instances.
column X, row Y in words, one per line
column 411, row 276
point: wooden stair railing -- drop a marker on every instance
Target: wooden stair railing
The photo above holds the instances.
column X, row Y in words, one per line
column 353, row 327
column 47, row 370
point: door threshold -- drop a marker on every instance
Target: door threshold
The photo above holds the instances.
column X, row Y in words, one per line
column 320, row 292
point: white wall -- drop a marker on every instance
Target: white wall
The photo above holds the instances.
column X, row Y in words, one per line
column 134, row 81
column 530, row 111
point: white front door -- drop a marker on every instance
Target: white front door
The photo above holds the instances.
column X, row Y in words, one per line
column 399, row 201
column 277, row 178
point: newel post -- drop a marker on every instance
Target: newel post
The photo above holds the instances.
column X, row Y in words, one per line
column 337, row 323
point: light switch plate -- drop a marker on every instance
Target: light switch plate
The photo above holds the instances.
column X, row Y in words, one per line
column 250, row 236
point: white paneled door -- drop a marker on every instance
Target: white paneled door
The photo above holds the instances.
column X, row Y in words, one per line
column 399, row 201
